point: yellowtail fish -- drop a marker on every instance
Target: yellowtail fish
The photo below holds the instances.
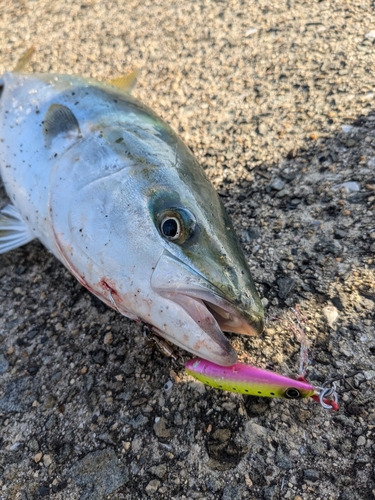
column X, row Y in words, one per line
column 117, row 197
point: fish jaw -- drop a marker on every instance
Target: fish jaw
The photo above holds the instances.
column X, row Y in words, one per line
column 209, row 312
column 249, row 380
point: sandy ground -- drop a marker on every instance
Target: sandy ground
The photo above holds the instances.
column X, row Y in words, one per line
column 276, row 100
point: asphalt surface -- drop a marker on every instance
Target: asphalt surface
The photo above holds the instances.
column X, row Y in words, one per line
column 276, row 100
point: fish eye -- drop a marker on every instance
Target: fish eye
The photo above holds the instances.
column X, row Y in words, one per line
column 292, row 393
column 170, row 228
column 176, row 224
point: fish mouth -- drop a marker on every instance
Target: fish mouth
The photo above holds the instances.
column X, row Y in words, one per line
column 206, row 307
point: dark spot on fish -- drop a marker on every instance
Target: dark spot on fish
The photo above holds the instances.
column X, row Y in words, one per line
column 73, row 93
column 37, row 111
column 120, row 139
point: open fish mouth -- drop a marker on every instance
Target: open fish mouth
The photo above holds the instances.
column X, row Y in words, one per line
column 206, row 311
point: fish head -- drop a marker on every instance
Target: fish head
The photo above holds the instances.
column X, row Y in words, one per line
column 154, row 238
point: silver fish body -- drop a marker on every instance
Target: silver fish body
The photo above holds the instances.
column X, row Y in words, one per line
column 118, row 198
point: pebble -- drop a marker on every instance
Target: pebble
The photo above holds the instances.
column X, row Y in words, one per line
column 370, row 34
column 38, row 457
column 159, row 470
column 160, row 428
column 348, row 186
column 331, row 314
column 47, row 460
column 108, row 338
column 286, row 286
column 372, row 247
column 152, row 486
column 361, row 441
column 311, row 475
column 99, row 356
column 263, row 128
column 251, row 31
column 277, row 185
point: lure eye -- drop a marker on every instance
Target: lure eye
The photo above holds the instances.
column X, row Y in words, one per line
column 292, row 393
column 170, row 228
column 176, row 224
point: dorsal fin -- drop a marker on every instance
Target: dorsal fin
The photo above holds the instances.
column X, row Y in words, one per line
column 126, row 82
column 60, row 120
column 24, row 60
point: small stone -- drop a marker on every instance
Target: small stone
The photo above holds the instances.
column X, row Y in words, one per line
column 263, row 128
column 99, row 356
column 43, row 491
column 47, row 460
column 311, row 475
column 255, row 431
column 160, row 428
column 282, row 193
column 4, row 365
column 33, row 444
column 84, row 370
column 286, row 286
column 370, row 34
column 372, row 248
column 372, row 235
column 350, row 143
column 38, row 457
column 159, row 470
column 346, row 128
column 152, row 486
column 331, row 314
column 361, row 441
column 11, row 348
column 251, row 31
column 277, row 185
column 108, row 338
column 340, row 234
column 265, row 302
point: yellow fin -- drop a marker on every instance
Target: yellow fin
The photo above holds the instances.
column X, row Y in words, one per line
column 24, row 60
column 125, row 83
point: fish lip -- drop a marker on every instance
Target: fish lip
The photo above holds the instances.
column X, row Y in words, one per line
column 203, row 302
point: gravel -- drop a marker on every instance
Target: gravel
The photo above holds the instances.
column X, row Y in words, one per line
column 276, row 100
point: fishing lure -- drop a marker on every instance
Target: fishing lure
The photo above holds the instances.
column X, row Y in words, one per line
column 254, row 381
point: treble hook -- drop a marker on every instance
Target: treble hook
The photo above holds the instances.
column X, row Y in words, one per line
column 329, row 395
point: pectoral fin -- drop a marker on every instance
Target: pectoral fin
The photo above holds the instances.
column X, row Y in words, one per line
column 13, row 231
column 126, row 83
column 60, row 121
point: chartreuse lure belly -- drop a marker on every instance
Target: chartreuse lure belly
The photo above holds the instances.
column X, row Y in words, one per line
column 249, row 380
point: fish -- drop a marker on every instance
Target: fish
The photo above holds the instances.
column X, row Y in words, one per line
column 249, row 380
column 112, row 191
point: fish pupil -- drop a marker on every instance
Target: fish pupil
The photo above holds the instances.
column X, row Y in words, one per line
column 170, row 228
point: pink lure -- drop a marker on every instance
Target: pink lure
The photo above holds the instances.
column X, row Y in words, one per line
column 249, row 380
